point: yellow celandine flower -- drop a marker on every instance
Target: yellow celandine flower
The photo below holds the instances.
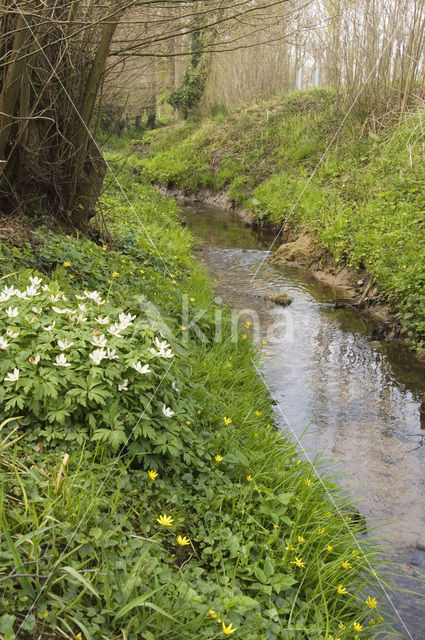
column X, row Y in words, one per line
column 248, row 323
column 341, row 590
column 165, row 520
column 301, row 539
column 152, row 474
column 263, row 342
column 307, row 482
column 212, row 613
column 298, row 461
column 330, row 547
column 327, row 514
column 289, row 547
column 79, row 636
column 298, row 562
column 192, row 299
column 66, row 264
column 320, row 530
column 183, row 328
column 357, row 626
column 115, row 274
column 227, row 420
column 244, row 337
column 346, row 565
column 218, row 458
column 249, row 478
column 372, row 603
column 183, row 541
column 229, row 629
column 275, row 526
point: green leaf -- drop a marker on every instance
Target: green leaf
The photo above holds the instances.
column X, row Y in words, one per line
column 6, row 623
column 140, row 601
column 78, row 576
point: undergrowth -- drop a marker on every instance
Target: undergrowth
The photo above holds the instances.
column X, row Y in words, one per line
column 145, row 491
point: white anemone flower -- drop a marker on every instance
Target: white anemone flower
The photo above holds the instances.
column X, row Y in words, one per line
column 111, row 354
column 115, row 330
column 35, row 281
column 55, row 298
column 98, row 355
column 99, row 341
column 163, row 349
column 126, row 318
column 123, row 386
column 12, row 376
column 34, row 360
column 50, row 326
column 31, row 291
column 173, row 384
column 168, row 413
column 80, row 318
column 3, row 343
column 82, row 307
column 63, row 345
column 141, row 369
column 8, row 292
column 57, row 310
column 12, row 313
column 162, row 353
column 101, row 320
column 61, row 361
column 12, row 334
column 36, row 309
column 93, row 295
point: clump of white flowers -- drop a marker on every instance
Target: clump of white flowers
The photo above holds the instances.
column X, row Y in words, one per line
column 65, row 364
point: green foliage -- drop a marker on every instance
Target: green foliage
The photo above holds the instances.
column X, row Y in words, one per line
column 80, row 369
column 362, row 198
column 82, row 552
column 188, row 95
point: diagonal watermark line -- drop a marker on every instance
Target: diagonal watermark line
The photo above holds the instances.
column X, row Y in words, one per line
column 332, row 499
column 120, row 455
column 325, row 153
column 107, row 164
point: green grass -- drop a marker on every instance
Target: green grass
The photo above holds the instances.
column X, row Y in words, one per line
column 364, row 202
column 82, row 554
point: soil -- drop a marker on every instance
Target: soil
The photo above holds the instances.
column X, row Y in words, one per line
column 358, row 289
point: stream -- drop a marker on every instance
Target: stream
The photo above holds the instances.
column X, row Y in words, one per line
column 353, row 399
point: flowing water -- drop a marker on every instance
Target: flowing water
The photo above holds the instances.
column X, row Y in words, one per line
column 359, row 398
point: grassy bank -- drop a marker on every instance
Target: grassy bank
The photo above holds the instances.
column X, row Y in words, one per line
column 180, row 512
column 363, row 198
